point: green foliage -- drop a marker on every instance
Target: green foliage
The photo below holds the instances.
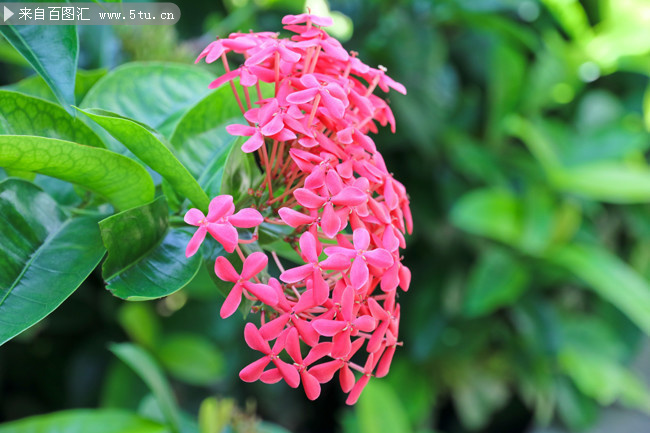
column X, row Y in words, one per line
column 120, row 180
column 37, row 236
column 52, row 51
column 86, row 421
column 148, row 370
column 146, row 258
column 145, row 144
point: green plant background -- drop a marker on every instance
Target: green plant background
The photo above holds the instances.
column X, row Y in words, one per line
column 522, row 142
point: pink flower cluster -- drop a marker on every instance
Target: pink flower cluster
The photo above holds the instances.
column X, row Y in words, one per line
column 325, row 179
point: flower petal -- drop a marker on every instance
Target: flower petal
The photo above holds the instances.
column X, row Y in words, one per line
column 232, row 301
column 263, row 292
column 253, row 265
column 224, row 270
column 196, row 241
column 328, row 328
column 194, row 217
column 254, row 339
column 296, row 274
column 253, row 371
column 359, row 273
column 246, row 218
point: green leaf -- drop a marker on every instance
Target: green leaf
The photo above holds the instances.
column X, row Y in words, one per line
column 36, row 86
column 191, row 358
column 149, row 371
column 146, row 259
column 45, row 255
column 26, row 115
column 149, row 92
column 496, row 281
column 608, row 276
column 610, row 182
column 52, row 51
column 201, row 133
column 200, row 137
column 646, row 108
column 145, row 144
column 84, row 421
column 215, row 415
column 380, row 411
column 240, row 173
column 493, row 213
column 122, row 181
column 140, row 322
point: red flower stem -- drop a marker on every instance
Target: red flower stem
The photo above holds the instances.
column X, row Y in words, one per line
column 314, row 60
column 277, row 72
column 268, row 171
column 232, row 85
column 259, row 91
column 305, row 65
column 240, row 253
column 357, row 367
column 280, row 159
column 273, row 153
column 248, row 98
column 372, row 86
column 277, row 261
column 314, row 107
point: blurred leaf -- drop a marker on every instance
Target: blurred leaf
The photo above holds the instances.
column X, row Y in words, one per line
column 149, row 92
column 603, row 379
column 145, row 144
column 576, row 410
column 477, row 397
column 149, row 371
column 496, row 281
column 215, row 415
column 84, row 421
column 506, row 77
column 140, row 323
column 146, row 259
column 571, row 15
column 117, row 178
column 609, row 182
column 52, row 51
column 191, row 358
column 646, row 108
column 26, row 115
column 489, row 212
column 36, row 237
column 121, row 387
column 608, row 276
column 380, row 411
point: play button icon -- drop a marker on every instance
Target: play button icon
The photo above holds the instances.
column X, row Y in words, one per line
column 7, row 14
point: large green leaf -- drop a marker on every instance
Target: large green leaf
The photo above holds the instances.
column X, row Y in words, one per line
column 191, row 358
column 610, row 277
column 84, row 421
column 36, row 85
column 146, row 145
column 496, row 281
column 52, row 51
column 149, row 371
column 45, row 255
column 380, row 411
column 610, row 182
column 122, row 181
column 200, row 136
column 493, row 213
column 26, row 115
column 149, row 92
column 146, row 259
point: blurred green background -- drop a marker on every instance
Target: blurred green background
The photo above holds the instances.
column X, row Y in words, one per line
column 523, row 145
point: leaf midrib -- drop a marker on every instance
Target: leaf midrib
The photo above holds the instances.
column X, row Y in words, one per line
column 33, row 257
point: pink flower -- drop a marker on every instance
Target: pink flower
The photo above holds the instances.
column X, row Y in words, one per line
column 220, row 223
column 322, row 173
column 378, row 257
column 253, row 371
column 253, row 265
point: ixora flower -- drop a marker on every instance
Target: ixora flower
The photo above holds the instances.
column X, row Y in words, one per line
column 327, row 184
